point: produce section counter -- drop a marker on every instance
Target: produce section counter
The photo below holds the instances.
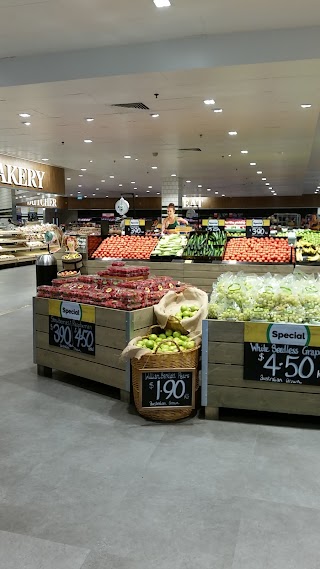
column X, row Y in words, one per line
column 107, row 334
column 224, row 363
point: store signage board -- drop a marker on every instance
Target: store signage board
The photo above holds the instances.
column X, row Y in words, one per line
column 282, row 353
column 213, row 224
column 72, row 326
column 44, row 202
column 258, row 228
column 20, row 176
column 190, row 202
column 135, row 227
column 167, row 388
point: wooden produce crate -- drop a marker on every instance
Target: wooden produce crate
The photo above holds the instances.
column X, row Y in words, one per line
column 223, row 384
column 113, row 330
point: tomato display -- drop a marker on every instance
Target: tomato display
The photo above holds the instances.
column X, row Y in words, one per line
column 126, row 247
column 258, row 250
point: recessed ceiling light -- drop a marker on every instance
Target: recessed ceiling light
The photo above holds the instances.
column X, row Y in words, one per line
column 90, row 161
column 208, row 189
column 24, row 115
column 71, row 194
column 148, row 191
column 217, row 110
column 244, row 151
column 209, row 102
column 229, row 155
column 85, row 196
column 80, row 175
column 184, row 195
column 267, row 184
column 93, row 194
column 69, row 179
column 274, row 194
column 259, row 172
column 79, row 186
column 253, row 163
column 87, row 140
column 135, row 188
column 199, row 186
column 26, row 123
column 103, row 181
column 136, row 195
column 162, row 3
column 188, row 181
column 45, row 159
column 107, row 196
column 83, row 169
column 132, row 182
column 305, row 106
column 127, row 156
column 263, row 179
column 136, row 159
column 79, row 192
column 150, row 187
column 216, row 192
column 270, row 188
column 97, row 189
column 158, row 193
column 232, row 132
column 89, row 119
column 111, row 176
column 120, row 185
column 223, row 195
column 154, row 167
column 173, row 175
column 155, row 115
column 318, row 187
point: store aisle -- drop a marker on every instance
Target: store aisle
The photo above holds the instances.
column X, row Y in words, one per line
column 86, row 485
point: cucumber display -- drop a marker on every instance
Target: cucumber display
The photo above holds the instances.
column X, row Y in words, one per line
column 209, row 244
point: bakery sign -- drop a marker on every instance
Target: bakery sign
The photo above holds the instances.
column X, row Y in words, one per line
column 43, row 202
column 21, row 176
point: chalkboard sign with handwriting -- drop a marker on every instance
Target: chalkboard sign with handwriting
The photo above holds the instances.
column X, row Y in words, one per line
column 168, row 388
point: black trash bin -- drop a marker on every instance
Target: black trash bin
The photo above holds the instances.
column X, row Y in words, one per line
column 46, row 269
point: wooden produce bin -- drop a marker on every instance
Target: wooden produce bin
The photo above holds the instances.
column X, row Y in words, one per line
column 113, row 330
column 223, row 384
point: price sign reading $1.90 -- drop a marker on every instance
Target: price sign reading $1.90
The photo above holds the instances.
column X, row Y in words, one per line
column 167, row 388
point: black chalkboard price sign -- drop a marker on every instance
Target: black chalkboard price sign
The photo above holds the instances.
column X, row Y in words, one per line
column 135, row 227
column 257, row 228
column 72, row 335
column 167, row 388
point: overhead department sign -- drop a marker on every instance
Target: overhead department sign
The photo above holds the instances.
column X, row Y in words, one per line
column 20, row 176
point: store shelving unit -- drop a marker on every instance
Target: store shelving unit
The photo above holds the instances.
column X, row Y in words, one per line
column 16, row 245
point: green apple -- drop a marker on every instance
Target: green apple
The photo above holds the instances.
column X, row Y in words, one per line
column 194, row 308
column 162, row 336
column 153, row 337
column 183, row 308
column 176, row 334
column 168, row 333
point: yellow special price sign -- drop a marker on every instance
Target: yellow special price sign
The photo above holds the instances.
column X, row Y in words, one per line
column 211, row 223
column 282, row 353
column 72, row 310
column 257, row 228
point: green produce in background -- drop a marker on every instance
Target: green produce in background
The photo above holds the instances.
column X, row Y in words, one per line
column 170, row 245
column 209, row 244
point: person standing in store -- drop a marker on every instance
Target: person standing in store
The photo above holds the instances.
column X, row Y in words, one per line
column 171, row 221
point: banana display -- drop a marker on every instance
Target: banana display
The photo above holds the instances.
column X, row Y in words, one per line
column 308, row 247
column 206, row 244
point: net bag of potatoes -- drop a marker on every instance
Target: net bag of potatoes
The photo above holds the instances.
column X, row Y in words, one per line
column 143, row 359
column 183, row 311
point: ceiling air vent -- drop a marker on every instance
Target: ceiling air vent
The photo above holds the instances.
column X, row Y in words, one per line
column 190, row 150
column 139, row 106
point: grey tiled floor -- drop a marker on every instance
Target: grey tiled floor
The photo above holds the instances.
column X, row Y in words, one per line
column 86, row 485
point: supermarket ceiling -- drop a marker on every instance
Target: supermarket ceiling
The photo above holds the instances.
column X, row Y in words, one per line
column 259, row 76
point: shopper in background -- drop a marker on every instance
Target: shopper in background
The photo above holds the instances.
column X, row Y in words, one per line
column 171, row 221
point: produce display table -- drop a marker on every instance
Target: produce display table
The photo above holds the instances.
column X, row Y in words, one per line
column 113, row 330
column 223, row 370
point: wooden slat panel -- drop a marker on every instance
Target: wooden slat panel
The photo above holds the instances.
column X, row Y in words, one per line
column 232, row 376
column 111, row 318
column 41, row 306
column 264, row 400
column 220, row 331
column 104, row 355
column 143, row 318
column 81, row 368
column 225, row 352
column 111, row 338
column 41, row 323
